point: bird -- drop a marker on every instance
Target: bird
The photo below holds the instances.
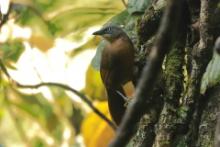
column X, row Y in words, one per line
column 116, row 68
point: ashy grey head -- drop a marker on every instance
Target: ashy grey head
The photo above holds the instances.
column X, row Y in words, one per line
column 110, row 33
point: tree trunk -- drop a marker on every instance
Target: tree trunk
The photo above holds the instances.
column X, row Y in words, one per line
column 182, row 116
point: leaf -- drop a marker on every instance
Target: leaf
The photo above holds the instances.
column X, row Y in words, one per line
column 80, row 19
column 137, row 6
column 91, row 43
column 95, row 131
column 37, row 142
column 212, row 75
column 62, row 100
column 36, row 108
column 94, row 87
column 31, row 17
column 2, row 113
column 11, row 51
column 42, row 42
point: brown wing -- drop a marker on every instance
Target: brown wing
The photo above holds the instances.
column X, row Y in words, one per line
column 111, row 70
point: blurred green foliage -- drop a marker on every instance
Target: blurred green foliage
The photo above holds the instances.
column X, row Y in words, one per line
column 33, row 119
column 11, row 51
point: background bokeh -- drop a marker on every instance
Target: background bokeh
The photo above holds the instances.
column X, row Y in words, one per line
column 51, row 41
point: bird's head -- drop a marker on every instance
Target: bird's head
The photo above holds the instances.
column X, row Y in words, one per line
column 110, row 33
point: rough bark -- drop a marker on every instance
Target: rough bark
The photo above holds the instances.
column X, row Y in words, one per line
column 185, row 117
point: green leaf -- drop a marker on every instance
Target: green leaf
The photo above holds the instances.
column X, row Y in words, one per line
column 34, row 105
column 212, row 75
column 137, row 6
column 80, row 19
column 12, row 50
column 91, row 43
column 2, row 113
column 37, row 142
column 31, row 17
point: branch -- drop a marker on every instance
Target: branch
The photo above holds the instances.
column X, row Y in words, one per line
column 167, row 31
column 82, row 96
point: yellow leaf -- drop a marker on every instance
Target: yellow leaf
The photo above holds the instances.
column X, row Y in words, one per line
column 96, row 132
column 94, row 86
column 43, row 43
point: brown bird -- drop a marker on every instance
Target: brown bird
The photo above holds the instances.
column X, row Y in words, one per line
column 116, row 69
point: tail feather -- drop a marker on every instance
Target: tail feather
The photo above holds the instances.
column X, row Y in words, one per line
column 116, row 104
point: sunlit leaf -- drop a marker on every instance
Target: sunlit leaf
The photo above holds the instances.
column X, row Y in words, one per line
column 103, row 133
column 94, row 87
column 43, row 43
column 92, row 43
column 2, row 109
column 212, row 75
column 64, row 102
column 22, row 2
column 38, row 109
column 85, row 18
column 2, row 112
column 33, row 18
column 35, row 106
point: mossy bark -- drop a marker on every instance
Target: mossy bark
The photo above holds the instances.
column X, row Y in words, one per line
column 183, row 117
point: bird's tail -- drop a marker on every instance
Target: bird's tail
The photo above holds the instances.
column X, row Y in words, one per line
column 116, row 104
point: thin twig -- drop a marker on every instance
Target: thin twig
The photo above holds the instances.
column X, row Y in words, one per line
column 124, row 3
column 82, row 96
column 143, row 99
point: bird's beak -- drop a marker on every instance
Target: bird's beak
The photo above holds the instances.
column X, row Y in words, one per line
column 99, row 32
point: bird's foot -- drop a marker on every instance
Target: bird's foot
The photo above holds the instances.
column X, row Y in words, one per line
column 126, row 99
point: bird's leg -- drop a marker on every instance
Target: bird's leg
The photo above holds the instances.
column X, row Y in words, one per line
column 126, row 99
column 122, row 95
